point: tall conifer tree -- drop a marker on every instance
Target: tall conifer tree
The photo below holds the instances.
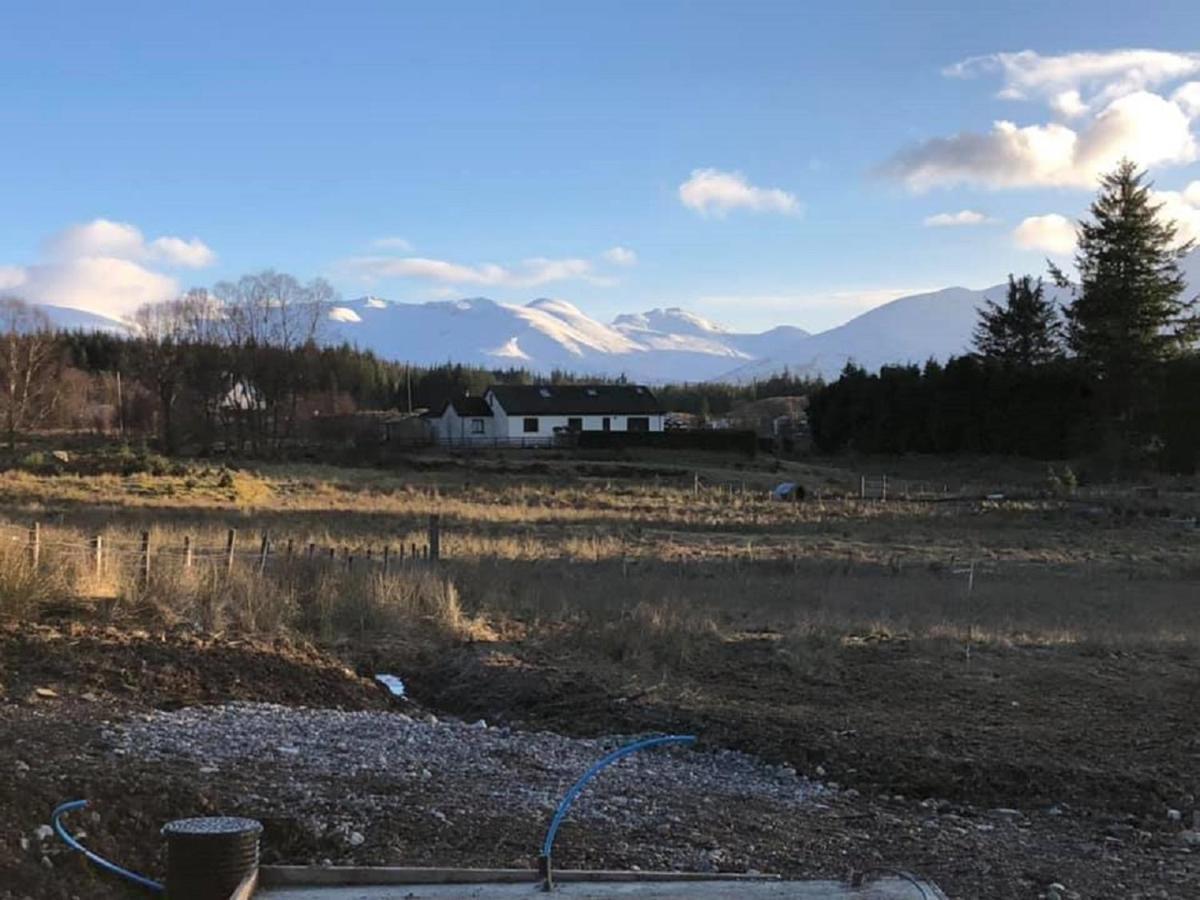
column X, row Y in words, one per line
column 1130, row 310
column 1025, row 331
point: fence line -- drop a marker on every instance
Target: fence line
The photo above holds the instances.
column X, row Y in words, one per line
column 144, row 551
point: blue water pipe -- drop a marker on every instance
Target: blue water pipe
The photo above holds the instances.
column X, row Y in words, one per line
column 544, row 861
column 69, row 839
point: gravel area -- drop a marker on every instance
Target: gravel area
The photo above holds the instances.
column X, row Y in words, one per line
column 349, row 772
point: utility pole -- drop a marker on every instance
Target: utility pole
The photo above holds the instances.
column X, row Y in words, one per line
column 120, row 407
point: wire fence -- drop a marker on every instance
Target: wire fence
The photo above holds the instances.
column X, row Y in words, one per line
column 100, row 553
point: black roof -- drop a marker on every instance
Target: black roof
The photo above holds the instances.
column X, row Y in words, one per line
column 583, row 399
column 469, row 406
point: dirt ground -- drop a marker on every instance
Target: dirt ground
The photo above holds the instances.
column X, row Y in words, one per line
column 1002, row 777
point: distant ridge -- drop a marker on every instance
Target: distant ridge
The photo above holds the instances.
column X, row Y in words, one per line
column 658, row 345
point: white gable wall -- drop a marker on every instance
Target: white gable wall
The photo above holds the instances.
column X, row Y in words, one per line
column 451, row 428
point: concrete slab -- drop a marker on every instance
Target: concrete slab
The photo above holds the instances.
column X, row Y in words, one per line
column 767, row 888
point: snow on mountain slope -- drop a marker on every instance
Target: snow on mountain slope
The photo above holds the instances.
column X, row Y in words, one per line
column 655, row 346
column 68, row 319
column 544, row 334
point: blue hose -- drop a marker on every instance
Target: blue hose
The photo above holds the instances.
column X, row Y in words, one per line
column 69, row 840
column 569, row 798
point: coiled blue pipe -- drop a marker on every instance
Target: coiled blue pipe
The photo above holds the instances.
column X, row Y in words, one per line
column 569, row 798
column 69, row 839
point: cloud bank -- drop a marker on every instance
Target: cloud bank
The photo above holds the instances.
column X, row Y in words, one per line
column 105, row 267
column 1106, row 106
column 531, row 272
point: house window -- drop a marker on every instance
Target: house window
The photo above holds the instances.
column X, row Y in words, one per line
column 574, row 424
column 606, row 423
column 477, row 426
column 637, row 423
column 531, row 425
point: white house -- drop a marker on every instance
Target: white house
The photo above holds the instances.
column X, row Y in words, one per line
column 464, row 420
column 535, row 415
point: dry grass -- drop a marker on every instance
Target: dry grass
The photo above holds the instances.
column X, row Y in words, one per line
column 649, row 573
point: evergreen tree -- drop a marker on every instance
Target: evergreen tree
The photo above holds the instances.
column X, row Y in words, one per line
column 1129, row 312
column 1025, row 332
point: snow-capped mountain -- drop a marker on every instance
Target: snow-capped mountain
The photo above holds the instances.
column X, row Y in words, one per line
column 654, row 346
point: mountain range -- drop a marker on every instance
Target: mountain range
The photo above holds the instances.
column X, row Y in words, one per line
column 655, row 346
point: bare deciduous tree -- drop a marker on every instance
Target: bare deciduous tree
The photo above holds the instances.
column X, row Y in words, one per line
column 30, row 362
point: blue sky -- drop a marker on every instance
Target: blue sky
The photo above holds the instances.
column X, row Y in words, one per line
column 758, row 163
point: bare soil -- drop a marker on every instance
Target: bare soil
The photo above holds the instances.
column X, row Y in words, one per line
column 998, row 778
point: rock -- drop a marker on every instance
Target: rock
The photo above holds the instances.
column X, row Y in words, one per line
column 46, row 864
column 480, row 725
column 21, row 766
column 431, row 719
column 45, row 693
column 1191, row 838
column 1005, row 812
column 89, row 697
column 1174, row 815
column 43, row 832
column 355, row 839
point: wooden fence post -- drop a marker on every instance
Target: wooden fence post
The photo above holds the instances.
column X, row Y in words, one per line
column 435, row 537
column 187, row 551
column 263, row 550
column 98, row 555
column 230, row 542
column 35, row 544
column 145, row 558
column 289, row 551
column 312, row 549
column 387, row 554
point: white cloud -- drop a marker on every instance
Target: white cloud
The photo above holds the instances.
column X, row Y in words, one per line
column 1187, row 98
column 1051, row 233
column 620, row 256
column 1184, row 208
column 173, row 251
column 530, row 273
column 1144, row 127
column 120, row 240
column 1104, row 76
column 957, row 220
column 711, row 191
column 104, row 267
column 100, row 284
column 392, row 243
column 1068, row 104
column 1107, row 96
